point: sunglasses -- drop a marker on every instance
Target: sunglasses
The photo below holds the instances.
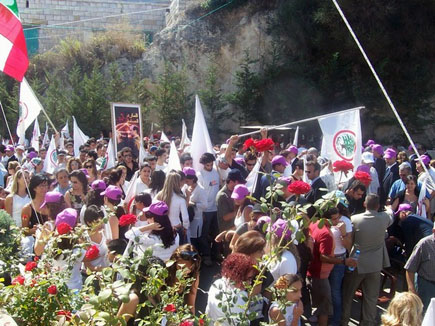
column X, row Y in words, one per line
column 247, row 164
column 189, row 255
column 128, row 155
column 88, row 167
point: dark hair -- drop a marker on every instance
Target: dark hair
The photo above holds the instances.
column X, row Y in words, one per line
column 35, row 181
column 185, row 157
column 413, row 178
column 167, row 233
column 299, row 164
column 82, row 179
column 144, row 165
column 207, row 158
column 94, row 165
column 192, row 177
column 249, row 156
column 117, row 245
column 249, row 243
column 115, row 176
column 358, row 185
column 60, row 171
column 372, row 202
column 343, row 210
column 55, row 208
column 92, row 214
column 93, row 154
column 313, row 164
column 125, row 150
column 184, row 252
column 93, row 197
column 160, row 152
column 332, row 211
column 157, row 181
column 151, row 158
column 144, row 198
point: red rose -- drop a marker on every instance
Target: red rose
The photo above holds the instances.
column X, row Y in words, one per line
column 186, row 323
column 52, row 289
column 30, row 266
column 364, row 177
column 170, row 308
column 127, row 219
column 264, row 145
column 342, row 166
column 299, row 187
column 248, row 143
column 201, row 322
column 92, row 252
column 18, row 280
column 65, row 313
column 63, row 228
column 36, row 258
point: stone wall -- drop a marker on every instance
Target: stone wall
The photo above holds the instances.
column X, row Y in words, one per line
column 46, row 22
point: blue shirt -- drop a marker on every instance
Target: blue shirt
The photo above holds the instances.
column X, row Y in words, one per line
column 399, row 186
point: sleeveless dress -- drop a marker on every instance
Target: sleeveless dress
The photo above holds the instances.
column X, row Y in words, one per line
column 76, row 202
column 18, row 203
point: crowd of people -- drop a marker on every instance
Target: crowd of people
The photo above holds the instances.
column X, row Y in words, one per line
column 210, row 216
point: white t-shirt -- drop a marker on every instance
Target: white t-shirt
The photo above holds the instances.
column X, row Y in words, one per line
column 102, row 260
column 160, row 168
column 75, row 282
column 140, row 187
column 209, row 180
column 336, row 233
column 199, row 197
column 178, row 205
column 287, row 265
column 288, row 315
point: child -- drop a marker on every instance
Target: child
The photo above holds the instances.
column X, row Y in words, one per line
column 289, row 289
column 116, row 248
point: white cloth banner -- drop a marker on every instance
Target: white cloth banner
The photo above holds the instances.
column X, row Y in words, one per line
column 184, row 139
column 35, row 136
column 65, row 130
column 79, row 138
column 164, row 138
column 429, row 317
column 46, row 139
column 201, row 142
column 30, row 107
column 142, row 155
column 251, row 179
column 174, row 159
column 50, row 162
column 295, row 140
column 421, row 207
column 342, row 139
column 109, row 160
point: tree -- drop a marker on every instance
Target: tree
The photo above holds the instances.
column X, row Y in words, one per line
column 213, row 100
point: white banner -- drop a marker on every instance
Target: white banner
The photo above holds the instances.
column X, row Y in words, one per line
column 109, row 160
column 342, row 139
column 79, row 138
column 184, row 139
column 50, row 162
column 174, row 159
column 65, row 130
column 29, row 108
column 35, row 136
column 46, row 139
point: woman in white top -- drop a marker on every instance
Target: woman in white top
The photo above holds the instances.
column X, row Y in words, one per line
column 172, row 195
column 156, row 184
column 245, row 206
column 18, row 196
column 157, row 234
column 144, row 180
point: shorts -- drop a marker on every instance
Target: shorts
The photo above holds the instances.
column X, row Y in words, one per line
column 321, row 296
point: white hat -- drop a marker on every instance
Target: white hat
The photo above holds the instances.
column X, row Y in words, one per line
column 367, row 158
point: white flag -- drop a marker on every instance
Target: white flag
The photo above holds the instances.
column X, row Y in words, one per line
column 184, row 139
column 46, row 139
column 421, row 207
column 174, row 159
column 131, row 191
column 201, row 142
column 65, row 130
column 142, row 155
column 164, row 138
column 79, row 138
column 251, row 179
column 50, row 162
column 29, row 108
column 35, row 136
column 108, row 161
column 295, row 140
column 342, row 139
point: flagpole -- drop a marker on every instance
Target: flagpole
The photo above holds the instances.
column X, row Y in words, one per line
column 7, row 124
column 304, row 120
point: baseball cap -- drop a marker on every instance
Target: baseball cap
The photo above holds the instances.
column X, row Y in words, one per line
column 404, row 207
column 51, row 197
column 98, row 185
column 236, row 175
column 341, row 198
column 293, row 149
column 31, row 155
column 240, row 192
column 370, row 142
column 278, row 228
column 157, row 207
column 424, row 158
column 9, row 148
column 363, row 168
column 188, row 171
column 390, row 153
column 61, row 152
column 378, row 149
column 68, row 216
column 239, row 160
column 279, row 159
column 112, row 192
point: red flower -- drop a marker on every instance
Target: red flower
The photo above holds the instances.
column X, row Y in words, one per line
column 36, row 258
column 33, row 283
column 63, row 228
column 342, row 166
column 92, row 252
column 18, row 280
column 65, row 313
column 364, row 177
column 127, row 219
column 264, row 145
column 30, row 266
column 248, row 143
column 52, row 289
column 299, row 187
column 170, row 308
column 186, row 323
column 201, row 322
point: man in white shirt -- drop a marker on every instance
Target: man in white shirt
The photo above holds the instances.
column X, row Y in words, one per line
column 161, row 160
column 208, row 178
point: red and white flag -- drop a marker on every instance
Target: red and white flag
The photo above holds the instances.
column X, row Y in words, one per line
column 50, row 162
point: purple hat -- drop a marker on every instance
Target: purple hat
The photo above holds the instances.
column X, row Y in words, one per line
column 378, row 149
column 31, row 155
column 263, row 220
column 239, row 160
column 9, row 148
column 287, row 180
column 240, row 192
column 279, row 159
column 363, row 168
column 157, row 207
column 278, row 228
column 370, row 142
column 390, row 153
column 51, row 197
column 404, row 207
column 68, row 216
column 293, row 149
column 189, row 171
column 85, row 172
column 112, row 192
column 98, row 185
column 424, row 158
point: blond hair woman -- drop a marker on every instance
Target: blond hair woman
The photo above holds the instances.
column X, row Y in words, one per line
column 18, row 197
column 405, row 309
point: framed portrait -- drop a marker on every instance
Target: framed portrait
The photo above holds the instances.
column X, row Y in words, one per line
column 127, row 127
